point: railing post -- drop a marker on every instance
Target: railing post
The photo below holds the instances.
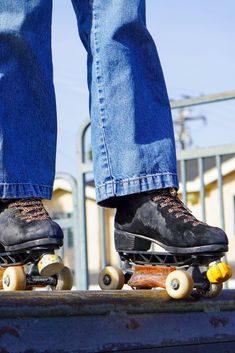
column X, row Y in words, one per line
column 184, row 180
column 220, row 191
column 102, row 237
column 202, row 188
column 75, row 222
column 82, row 278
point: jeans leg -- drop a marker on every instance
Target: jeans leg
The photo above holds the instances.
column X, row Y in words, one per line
column 27, row 108
column 132, row 131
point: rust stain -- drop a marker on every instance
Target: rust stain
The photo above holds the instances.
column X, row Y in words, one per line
column 218, row 321
column 10, row 331
column 132, row 324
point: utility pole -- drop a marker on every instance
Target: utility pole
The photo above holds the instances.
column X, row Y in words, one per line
column 183, row 133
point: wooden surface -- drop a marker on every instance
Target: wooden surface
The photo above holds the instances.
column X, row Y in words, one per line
column 150, row 276
column 1, row 274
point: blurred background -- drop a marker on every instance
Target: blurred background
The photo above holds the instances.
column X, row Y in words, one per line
column 195, row 41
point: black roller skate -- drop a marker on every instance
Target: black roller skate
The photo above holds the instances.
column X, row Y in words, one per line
column 28, row 240
column 193, row 249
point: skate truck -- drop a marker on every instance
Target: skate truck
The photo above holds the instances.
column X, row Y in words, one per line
column 35, row 267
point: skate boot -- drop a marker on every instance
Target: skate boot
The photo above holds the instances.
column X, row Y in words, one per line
column 28, row 238
column 191, row 263
column 162, row 218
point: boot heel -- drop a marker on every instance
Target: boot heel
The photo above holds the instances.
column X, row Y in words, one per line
column 128, row 241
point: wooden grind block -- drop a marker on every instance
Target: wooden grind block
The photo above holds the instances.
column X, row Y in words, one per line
column 1, row 274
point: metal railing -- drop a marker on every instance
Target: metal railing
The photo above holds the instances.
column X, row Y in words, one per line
column 200, row 154
column 85, row 167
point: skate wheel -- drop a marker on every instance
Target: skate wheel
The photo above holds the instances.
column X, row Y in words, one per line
column 64, row 280
column 179, row 284
column 49, row 265
column 111, row 278
column 14, row 278
column 214, row 291
column 219, row 273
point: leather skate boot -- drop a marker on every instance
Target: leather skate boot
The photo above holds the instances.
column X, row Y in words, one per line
column 26, row 225
column 161, row 217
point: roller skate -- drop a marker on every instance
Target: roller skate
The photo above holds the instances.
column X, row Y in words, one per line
column 191, row 261
column 28, row 240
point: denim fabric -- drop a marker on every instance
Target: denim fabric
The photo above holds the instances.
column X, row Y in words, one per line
column 27, row 101
column 132, row 133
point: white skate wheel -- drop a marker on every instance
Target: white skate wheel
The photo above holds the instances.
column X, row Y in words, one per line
column 14, row 278
column 179, row 284
column 49, row 265
column 64, row 280
column 111, row 278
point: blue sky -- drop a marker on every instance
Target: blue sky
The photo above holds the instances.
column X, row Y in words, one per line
column 195, row 41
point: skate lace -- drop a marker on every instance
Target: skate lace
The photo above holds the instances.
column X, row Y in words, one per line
column 169, row 198
column 30, row 209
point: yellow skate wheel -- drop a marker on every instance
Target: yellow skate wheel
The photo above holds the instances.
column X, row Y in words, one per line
column 214, row 290
column 111, row 278
column 219, row 272
column 225, row 270
column 179, row 284
column 49, row 265
column 14, row 278
column 64, row 280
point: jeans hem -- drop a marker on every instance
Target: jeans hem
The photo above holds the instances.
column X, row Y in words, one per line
column 107, row 193
column 25, row 190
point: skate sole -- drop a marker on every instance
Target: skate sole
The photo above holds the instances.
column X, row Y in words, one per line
column 30, row 245
column 125, row 241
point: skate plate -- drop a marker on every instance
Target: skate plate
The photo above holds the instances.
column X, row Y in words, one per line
column 182, row 275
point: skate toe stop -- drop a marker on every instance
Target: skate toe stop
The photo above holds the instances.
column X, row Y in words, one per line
column 219, row 273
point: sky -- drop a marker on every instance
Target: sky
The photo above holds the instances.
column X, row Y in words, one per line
column 195, row 41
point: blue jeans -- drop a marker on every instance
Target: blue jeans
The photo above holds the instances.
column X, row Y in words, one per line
column 132, row 132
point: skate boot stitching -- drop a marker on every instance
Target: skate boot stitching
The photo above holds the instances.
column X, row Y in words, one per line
column 170, row 198
column 29, row 210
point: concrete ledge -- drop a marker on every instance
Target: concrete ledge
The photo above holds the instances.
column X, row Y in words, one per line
column 115, row 321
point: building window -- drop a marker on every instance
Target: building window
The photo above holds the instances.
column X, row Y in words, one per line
column 68, row 232
column 70, row 238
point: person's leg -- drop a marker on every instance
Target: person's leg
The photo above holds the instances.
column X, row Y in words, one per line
column 132, row 133
column 27, row 127
column 27, row 109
